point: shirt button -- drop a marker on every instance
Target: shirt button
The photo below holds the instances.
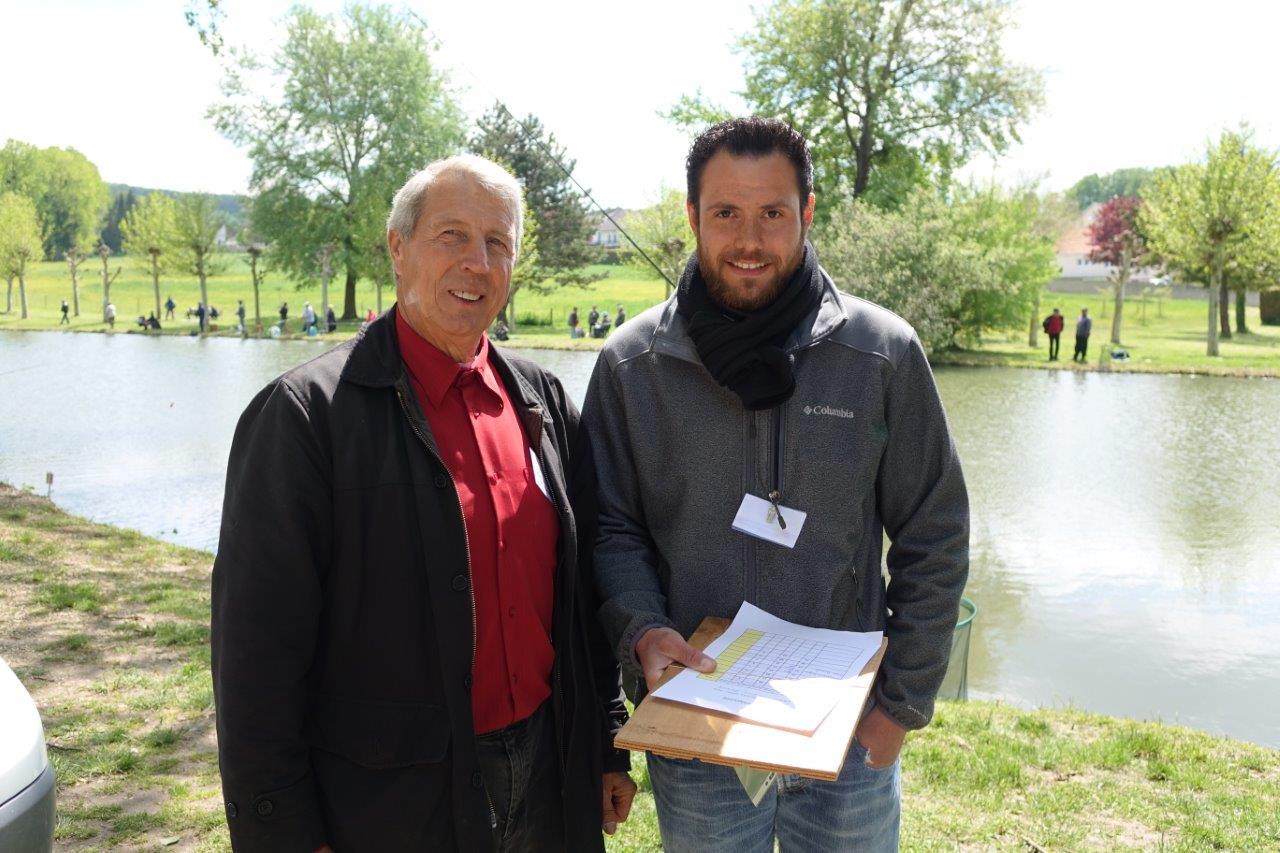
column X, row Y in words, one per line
column 502, row 545
column 232, row 811
column 266, row 807
column 477, row 781
column 475, row 414
column 511, row 612
column 459, row 583
column 493, row 479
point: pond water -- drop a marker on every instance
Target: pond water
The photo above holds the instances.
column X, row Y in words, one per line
column 1125, row 549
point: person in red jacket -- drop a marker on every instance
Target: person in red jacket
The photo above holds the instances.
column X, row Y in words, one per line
column 1053, row 327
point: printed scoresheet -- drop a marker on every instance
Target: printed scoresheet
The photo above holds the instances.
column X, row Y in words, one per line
column 775, row 672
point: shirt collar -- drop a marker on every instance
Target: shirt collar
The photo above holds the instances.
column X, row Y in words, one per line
column 435, row 370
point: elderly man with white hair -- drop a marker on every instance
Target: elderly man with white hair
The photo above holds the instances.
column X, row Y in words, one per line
column 406, row 654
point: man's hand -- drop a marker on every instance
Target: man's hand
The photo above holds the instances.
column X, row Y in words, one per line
column 658, row 648
column 619, row 791
column 881, row 736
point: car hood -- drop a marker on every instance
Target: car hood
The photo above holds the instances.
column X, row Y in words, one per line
column 22, row 753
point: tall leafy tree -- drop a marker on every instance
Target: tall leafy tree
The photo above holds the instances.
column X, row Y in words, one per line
column 19, row 244
column 899, row 87
column 662, row 230
column 69, row 194
column 346, row 110
column 149, row 233
column 564, row 221
column 1216, row 217
column 1115, row 239
column 195, row 231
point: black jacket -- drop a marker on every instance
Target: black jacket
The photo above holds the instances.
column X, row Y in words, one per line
column 343, row 616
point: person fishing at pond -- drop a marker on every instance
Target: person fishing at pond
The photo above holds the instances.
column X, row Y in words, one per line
column 406, row 654
column 65, row 308
column 1084, row 326
column 1053, row 328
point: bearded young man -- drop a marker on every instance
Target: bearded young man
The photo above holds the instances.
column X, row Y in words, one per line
column 759, row 378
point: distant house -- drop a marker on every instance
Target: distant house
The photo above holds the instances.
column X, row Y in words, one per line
column 1072, row 250
column 606, row 234
column 225, row 240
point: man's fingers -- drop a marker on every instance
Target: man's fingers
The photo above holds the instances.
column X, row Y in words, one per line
column 622, row 803
column 682, row 653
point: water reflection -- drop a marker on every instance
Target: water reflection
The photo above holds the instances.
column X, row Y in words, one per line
column 1124, row 553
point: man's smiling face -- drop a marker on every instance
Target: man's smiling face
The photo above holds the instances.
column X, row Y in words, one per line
column 454, row 273
column 751, row 223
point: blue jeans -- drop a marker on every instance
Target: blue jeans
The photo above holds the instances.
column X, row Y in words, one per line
column 702, row 808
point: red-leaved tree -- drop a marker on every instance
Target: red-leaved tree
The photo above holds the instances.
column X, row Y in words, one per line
column 1114, row 239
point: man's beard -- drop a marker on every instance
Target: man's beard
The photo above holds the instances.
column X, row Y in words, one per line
column 763, row 293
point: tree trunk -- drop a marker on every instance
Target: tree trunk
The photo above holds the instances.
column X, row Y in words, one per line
column 1033, row 331
column 1241, row 304
column 349, row 295
column 8, row 299
column 1211, row 339
column 22, row 289
column 204, row 293
column 106, row 283
column 75, row 286
column 155, row 282
column 1123, row 279
column 1224, row 309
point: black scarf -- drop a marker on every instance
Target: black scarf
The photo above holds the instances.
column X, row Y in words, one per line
column 744, row 352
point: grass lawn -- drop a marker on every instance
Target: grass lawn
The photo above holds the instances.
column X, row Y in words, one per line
column 109, row 631
column 1164, row 336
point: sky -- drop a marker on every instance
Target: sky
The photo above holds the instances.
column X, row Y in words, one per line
column 1127, row 83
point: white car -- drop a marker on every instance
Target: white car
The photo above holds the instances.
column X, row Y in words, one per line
column 26, row 777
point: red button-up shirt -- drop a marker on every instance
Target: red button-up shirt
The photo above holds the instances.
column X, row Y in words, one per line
column 512, row 527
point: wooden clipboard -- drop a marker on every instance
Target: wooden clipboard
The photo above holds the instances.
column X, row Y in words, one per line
column 683, row 731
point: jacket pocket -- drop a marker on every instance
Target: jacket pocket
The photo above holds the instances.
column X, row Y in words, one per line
column 379, row 735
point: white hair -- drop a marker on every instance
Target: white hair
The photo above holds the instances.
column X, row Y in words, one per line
column 410, row 199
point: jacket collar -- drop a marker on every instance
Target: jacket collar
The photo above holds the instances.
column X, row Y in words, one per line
column 671, row 336
column 375, row 362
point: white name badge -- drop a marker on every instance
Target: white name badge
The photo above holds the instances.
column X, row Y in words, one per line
column 757, row 517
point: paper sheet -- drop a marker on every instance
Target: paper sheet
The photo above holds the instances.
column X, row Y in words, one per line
column 775, row 672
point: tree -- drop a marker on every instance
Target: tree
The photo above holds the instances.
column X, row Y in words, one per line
column 1114, row 238
column 120, row 208
column 1058, row 212
column 19, row 244
column 1216, row 217
column 352, row 108
column 1096, row 189
column 69, row 194
column 104, row 253
column 1005, row 228
column 195, row 227
column 533, row 155
column 149, row 229
column 527, row 271
column 257, row 272
column 907, row 86
column 75, row 259
column 910, row 261
column 662, row 231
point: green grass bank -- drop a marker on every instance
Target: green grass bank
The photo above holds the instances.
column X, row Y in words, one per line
column 1162, row 335
column 109, row 631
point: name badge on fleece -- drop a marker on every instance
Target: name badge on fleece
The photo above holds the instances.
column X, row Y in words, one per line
column 757, row 517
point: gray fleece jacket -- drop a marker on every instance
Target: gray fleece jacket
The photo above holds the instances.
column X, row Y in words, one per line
column 862, row 446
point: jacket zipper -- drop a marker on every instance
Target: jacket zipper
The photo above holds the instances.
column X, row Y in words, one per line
column 778, row 416
column 557, row 683
column 466, row 540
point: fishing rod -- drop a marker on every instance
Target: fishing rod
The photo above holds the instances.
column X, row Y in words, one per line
column 530, row 136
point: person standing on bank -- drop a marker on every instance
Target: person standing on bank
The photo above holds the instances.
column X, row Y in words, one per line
column 406, row 654
column 759, row 378
column 1053, row 328
column 1084, row 326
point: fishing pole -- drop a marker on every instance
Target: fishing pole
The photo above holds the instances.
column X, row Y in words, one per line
column 530, row 136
